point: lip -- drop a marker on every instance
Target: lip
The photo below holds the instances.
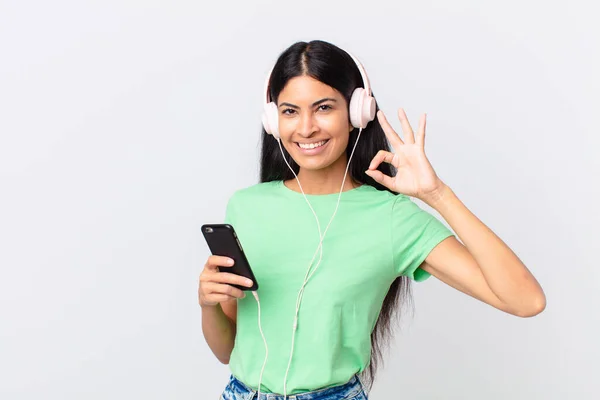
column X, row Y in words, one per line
column 315, row 151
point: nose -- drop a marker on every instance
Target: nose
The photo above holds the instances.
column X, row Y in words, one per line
column 306, row 125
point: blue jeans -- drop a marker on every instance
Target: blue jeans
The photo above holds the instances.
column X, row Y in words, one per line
column 353, row 389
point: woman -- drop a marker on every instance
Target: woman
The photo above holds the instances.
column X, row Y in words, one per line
column 320, row 331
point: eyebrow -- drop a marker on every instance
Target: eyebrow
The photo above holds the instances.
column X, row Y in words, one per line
column 316, row 103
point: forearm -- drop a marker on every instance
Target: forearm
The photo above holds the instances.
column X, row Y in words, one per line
column 505, row 274
column 219, row 332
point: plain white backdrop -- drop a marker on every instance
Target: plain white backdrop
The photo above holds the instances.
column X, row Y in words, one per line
column 126, row 125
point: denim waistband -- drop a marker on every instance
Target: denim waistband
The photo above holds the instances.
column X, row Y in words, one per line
column 237, row 390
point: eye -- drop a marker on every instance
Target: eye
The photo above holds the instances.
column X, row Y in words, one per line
column 326, row 107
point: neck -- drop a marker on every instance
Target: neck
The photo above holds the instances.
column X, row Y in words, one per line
column 323, row 181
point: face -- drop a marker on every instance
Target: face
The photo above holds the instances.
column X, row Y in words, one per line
column 313, row 123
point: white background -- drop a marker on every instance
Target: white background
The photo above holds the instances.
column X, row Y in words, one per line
column 126, row 125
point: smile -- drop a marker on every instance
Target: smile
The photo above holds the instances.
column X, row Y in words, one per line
column 315, row 145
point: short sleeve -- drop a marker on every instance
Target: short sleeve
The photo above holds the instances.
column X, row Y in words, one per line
column 415, row 232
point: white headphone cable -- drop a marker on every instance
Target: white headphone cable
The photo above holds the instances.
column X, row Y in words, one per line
column 264, row 341
column 319, row 247
column 311, row 261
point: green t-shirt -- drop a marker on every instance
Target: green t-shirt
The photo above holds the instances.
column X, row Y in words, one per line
column 375, row 237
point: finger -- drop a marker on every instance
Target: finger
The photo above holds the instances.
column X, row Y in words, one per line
column 232, row 279
column 381, row 156
column 218, row 261
column 392, row 136
column 380, row 177
column 420, row 140
column 219, row 298
column 409, row 136
column 219, row 288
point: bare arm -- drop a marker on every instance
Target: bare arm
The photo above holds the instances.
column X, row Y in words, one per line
column 219, row 332
column 484, row 267
column 218, row 300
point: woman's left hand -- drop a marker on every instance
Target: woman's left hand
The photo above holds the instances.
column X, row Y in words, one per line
column 415, row 176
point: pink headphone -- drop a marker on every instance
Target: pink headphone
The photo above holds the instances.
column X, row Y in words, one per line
column 361, row 108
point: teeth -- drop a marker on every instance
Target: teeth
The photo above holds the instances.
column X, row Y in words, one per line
column 312, row 145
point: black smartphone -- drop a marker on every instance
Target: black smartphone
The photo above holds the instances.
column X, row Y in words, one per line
column 222, row 241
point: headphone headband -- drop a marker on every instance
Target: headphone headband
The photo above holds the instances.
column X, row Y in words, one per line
column 361, row 69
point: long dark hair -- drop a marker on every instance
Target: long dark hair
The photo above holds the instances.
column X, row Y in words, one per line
column 331, row 65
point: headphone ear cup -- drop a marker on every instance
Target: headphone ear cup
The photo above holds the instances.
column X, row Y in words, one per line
column 355, row 102
column 368, row 109
column 362, row 108
column 270, row 119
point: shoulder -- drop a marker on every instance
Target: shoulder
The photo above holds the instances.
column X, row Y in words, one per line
column 253, row 192
column 391, row 200
column 409, row 213
column 398, row 205
column 404, row 204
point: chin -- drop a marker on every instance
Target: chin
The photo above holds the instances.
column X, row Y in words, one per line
column 315, row 163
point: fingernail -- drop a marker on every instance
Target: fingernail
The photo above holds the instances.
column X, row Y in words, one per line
column 249, row 282
column 230, row 262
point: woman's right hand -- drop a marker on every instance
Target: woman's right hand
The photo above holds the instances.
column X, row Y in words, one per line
column 215, row 286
